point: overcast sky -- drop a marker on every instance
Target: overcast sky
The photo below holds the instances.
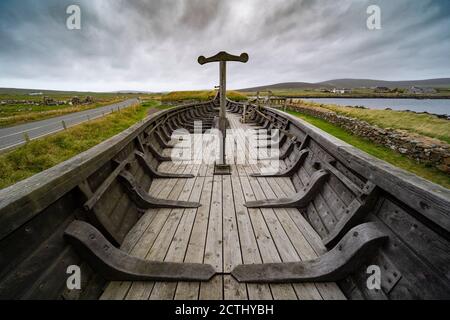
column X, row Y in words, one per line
column 153, row 45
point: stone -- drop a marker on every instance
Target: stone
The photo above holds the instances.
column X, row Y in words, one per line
column 402, row 141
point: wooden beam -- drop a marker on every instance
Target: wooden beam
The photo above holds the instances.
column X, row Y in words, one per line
column 158, row 175
column 299, row 200
column 298, row 162
column 106, row 184
column 144, row 201
column 351, row 252
column 353, row 214
column 116, row 265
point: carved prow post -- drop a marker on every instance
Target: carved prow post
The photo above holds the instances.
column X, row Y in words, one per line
column 222, row 57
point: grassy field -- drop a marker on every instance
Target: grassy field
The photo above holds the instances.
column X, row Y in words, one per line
column 39, row 155
column 17, row 113
column 199, row 95
column 423, row 124
column 378, row 151
column 356, row 93
column 155, row 104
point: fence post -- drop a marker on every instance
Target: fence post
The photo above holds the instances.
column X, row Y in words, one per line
column 26, row 137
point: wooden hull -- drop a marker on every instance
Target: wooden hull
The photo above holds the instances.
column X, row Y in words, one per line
column 107, row 187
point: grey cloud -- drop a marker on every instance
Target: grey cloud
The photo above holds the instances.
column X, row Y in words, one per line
column 153, row 45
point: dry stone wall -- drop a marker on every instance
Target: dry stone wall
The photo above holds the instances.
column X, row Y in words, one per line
column 426, row 151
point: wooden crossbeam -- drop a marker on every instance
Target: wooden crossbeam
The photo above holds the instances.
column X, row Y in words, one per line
column 300, row 199
column 154, row 173
column 298, row 162
column 115, row 265
column 156, row 154
column 144, row 201
column 351, row 252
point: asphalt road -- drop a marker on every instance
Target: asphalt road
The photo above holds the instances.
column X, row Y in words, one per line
column 11, row 137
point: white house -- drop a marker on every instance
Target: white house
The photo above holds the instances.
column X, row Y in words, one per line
column 417, row 90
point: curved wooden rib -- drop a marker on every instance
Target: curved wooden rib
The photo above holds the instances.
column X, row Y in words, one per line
column 144, row 201
column 292, row 144
column 160, row 140
column 299, row 200
column 334, row 265
column 302, row 155
column 353, row 214
column 156, row 154
column 159, row 175
column 116, row 265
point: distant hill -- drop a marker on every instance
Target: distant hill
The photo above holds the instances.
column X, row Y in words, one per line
column 286, row 85
column 132, row 92
column 26, row 91
column 353, row 83
column 13, row 91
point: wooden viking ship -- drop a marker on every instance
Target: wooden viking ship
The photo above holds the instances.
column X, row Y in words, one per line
column 330, row 223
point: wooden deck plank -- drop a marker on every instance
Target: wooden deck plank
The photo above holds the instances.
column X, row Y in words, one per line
column 292, row 243
column 196, row 247
column 213, row 290
column 223, row 233
column 232, row 250
column 148, row 225
column 178, row 246
column 137, row 231
column 160, row 247
column 267, row 248
column 232, row 255
column 249, row 246
column 118, row 290
column 154, row 241
column 329, row 290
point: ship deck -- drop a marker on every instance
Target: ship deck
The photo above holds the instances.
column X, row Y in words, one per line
column 223, row 233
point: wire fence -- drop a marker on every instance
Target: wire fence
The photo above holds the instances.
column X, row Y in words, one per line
column 14, row 139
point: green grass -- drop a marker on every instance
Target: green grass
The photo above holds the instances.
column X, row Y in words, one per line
column 422, row 124
column 156, row 105
column 378, row 151
column 39, row 155
column 17, row 113
column 356, row 93
column 199, row 96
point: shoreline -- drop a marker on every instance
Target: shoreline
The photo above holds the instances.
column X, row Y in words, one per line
column 362, row 97
column 445, row 116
